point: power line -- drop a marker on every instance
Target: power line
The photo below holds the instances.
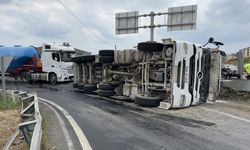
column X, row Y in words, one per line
column 83, row 24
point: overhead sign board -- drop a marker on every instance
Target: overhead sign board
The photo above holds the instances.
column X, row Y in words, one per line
column 182, row 18
column 127, row 23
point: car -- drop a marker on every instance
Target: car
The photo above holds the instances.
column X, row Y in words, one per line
column 229, row 71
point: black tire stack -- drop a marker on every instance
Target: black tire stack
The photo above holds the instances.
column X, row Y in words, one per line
column 89, row 88
column 147, row 101
column 75, row 85
column 106, row 56
column 84, row 58
column 106, row 90
column 150, row 46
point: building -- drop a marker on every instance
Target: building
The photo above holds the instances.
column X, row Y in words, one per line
column 229, row 59
column 246, row 52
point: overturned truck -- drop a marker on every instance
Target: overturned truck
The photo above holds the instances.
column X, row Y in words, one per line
column 171, row 74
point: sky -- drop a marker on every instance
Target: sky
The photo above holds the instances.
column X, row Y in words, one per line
column 33, row 22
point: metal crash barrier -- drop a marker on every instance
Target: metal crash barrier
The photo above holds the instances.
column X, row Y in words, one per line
column 237, row 85
column 31, row 126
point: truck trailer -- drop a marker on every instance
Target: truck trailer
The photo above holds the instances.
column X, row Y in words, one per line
column 51, row 64
column 172, row 74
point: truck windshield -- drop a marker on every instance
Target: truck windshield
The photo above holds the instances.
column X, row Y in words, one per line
column 66, row 56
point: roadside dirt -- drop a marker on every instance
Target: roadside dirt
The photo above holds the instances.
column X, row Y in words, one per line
column 231, row 95
column 9, row 119
column 53, row 138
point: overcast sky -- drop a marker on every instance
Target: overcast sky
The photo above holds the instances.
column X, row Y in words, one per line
column 33, row 22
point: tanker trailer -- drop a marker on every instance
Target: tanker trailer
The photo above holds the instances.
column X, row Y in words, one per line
column 25, row 59
column 52, row 64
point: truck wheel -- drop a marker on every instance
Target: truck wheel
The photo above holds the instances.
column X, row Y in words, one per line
column 80, row 86
column 87, row 58
column 52, row 78
column 108, row 87
column 147, row 101
column 75, row 59
column 106, row 52
column 75, row 85
column 150, row 46
column 90, row 88
column 24, row 76
column 106, row 93
column 106, row 59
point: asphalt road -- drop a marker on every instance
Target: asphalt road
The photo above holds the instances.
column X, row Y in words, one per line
column 117, row 125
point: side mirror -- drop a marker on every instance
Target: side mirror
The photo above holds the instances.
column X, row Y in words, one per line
column 218, row 43
column 222, row 53
column 211, row 40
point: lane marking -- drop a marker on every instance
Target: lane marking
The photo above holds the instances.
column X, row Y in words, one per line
column 228, row 115
column 65, row 131
column 79, row 133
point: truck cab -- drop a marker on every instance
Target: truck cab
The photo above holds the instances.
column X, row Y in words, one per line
column 56, row 62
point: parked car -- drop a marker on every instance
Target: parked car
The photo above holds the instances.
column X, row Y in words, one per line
column 229, row 71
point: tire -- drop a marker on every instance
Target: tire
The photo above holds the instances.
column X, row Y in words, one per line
column 75, row 85
column 108, row 87
column 24, row 76
column 80, row 86
column 75, row 59
column 85, row 58
column 106, row 59
column 90, row 88
column 52, row 78
column 147, row 101
column 106, row 52
column 106, row 93
column 150, row 46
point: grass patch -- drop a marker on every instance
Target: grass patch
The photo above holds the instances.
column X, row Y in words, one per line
column 9, row 103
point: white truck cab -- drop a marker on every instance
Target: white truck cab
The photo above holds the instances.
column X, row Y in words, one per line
column 56, row 62
column 187, row 74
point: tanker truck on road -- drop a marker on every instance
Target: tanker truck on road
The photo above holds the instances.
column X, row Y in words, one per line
column 51, row 64
column 172, row 74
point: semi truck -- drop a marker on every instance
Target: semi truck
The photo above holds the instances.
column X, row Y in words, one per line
column 171, row 74
column 51, row 63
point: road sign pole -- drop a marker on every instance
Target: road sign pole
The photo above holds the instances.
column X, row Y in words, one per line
column 152, row 15
column 3, row 79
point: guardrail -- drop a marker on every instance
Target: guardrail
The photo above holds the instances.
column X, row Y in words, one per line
column 31, row 126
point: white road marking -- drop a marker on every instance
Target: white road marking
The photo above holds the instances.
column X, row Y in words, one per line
column 65, row 131
column 79, row 133
column 228, row 115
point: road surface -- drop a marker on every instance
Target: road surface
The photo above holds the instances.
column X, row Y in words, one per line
column 117, row 125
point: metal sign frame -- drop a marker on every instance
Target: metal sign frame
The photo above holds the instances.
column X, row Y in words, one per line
column 127, row 23
column 182, row 18
column 179, row 18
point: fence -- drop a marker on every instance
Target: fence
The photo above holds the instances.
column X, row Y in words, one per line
column 31, row 126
